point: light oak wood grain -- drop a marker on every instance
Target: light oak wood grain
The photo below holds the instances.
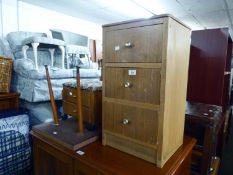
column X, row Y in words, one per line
column 173, row 94
column 155, row 96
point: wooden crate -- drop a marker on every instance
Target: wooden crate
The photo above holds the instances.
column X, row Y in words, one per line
column 5, row 74
column 145, row 73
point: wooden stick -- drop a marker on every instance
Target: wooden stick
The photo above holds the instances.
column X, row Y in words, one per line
column 79, row 103
column 55, row 115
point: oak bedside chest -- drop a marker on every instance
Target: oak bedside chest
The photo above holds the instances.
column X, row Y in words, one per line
column 145, row 73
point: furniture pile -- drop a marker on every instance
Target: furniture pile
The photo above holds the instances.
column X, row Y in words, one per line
column 30, row 52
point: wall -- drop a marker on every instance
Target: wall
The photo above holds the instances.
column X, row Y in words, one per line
column 9, row 16
column 1, row 32
column 17, row 15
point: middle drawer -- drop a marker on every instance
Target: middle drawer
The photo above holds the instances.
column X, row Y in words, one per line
column 134, row 84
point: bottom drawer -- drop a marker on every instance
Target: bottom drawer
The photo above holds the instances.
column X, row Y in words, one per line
column 136, row 123
column 131, row 129
column 71, row 109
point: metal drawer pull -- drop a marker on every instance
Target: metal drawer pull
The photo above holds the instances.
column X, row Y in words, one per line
column 128, row 45
column 74, row 110
column 71, row 94
column 127, row 84
column 227, row 73
column 116, row 48
column 125, row 121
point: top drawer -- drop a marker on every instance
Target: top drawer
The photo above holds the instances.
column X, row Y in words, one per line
column 141, row 44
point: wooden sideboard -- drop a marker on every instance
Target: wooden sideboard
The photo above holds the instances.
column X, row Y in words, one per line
column 53, row 157
column 9, row 100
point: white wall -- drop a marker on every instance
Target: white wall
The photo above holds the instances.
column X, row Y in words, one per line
column 1, row 32
column 17, row 15
column 9, row 20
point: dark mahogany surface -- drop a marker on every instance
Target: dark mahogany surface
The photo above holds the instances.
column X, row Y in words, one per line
column 208, row 62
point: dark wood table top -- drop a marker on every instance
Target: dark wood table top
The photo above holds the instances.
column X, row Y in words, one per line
column 117, row 162
column 112, row 161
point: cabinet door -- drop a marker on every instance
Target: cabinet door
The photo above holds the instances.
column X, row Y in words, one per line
column 141, row 44
column 50, row 161
column 132, row 122
column 142, row 86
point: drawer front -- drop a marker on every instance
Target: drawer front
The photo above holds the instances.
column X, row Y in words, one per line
column 70, row 95
column 71, row 109
column 141, row 44
column 142, row 87
column 133, row 122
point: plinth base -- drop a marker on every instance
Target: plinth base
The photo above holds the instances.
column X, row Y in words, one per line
column 67, row 132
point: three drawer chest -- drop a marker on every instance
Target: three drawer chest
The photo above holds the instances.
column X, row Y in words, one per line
column 145, row 72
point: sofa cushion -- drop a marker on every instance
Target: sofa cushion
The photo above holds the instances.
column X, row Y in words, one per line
column 22, row 64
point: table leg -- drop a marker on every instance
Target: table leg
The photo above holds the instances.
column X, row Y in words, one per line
column 62, row 56
column 34, row 46
column 24, row 49
column 52, row 56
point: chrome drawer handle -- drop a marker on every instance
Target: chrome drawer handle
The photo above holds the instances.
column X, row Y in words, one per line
column 125, row 121
column 128, row 45
column 71, row 94
column 227, row 73
column 117, row 48
column 127, row 84
column 74, row 110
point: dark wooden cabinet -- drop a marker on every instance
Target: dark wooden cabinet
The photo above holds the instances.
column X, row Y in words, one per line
column 203, row 121
column 209, row 83
column 50, row 161
column 9, row 100
column 209, row 67
column 52, row 156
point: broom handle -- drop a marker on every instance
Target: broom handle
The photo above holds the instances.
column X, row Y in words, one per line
column 55, row 115
column 79, row 103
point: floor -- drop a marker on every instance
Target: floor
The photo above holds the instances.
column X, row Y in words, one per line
column 226, row 167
